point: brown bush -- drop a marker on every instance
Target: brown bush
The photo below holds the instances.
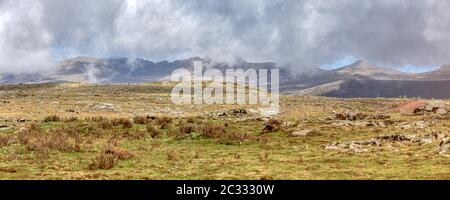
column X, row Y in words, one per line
column 185, row 129
column 35, row 127
column 125, row 122
column 96, row 119
column 54, row 141
column 119, row 153
column 71, row 119
column 164, row 121
column 190, row 120
column 273, row 125
column 103, row 161
column 140, row 120
column 133, row 135
column 65, row 139
column 154, row 132
column 213, row 131
column 52, row 118
column 110, row 156
column 106, row 124
column 5, row 140
column 172, row 155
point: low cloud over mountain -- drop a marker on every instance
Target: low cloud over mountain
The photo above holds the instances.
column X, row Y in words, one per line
column 36, row 35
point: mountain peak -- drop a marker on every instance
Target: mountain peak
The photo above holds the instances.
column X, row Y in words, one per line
column 360, row 63
column 445, row 67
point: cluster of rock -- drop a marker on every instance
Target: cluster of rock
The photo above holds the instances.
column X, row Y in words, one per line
column 351, row 116
column 431, row 108
column 237, row 115
column 105, row 107
column 363, row 145
column 418, row 124
column 355, row 119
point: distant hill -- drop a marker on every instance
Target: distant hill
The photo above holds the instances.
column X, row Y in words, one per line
column 359, row 79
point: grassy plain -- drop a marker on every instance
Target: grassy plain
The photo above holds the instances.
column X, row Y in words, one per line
column 86, row 131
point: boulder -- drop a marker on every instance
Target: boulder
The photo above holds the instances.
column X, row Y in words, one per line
column 298, row 133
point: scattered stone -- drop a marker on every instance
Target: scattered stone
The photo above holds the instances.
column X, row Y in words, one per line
column 417, row 124
column 431, row 107
column 379, row 116
column 376, row 124
column 350, row 123
column 233, row 113
column 351, row 116
column 72, row 111
column 108, row 107
column 363, row 145
column 21, row 120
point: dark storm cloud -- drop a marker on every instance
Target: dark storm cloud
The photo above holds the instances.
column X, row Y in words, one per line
column 309, row 33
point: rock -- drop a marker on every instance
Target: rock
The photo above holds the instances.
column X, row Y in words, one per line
column 420, row 124
column 289, row 124
column 72, row 111
column 376, row 124
column 22, row 120
column 356, row 148
column 151, row 116
column 301, row 132
column 380, row 116
column 441, row 111
column 351, row 116
column 267, row 112
column 23, row 130
column 444, row 146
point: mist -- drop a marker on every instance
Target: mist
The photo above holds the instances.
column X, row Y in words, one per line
column 36, row 34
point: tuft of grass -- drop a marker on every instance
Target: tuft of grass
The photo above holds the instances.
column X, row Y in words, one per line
column 164, row 121
column 140, row 120
column 172, row 155
column 213, row 131
column 62, row 139
column 125, row 122
column 119, row 153
column 153, row 131
column 184, row 130
column 103, row 161
column 106, row 124
column 109, row 156
column 52, row 118
column 71, row 119
column 5, row 140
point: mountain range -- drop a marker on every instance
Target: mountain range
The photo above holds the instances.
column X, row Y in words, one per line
column 360, row 79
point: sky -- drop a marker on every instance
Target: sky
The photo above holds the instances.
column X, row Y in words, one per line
column 410, row 35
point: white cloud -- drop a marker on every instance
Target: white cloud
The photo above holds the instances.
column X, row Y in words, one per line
column 24, row 44
column 307, row 33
